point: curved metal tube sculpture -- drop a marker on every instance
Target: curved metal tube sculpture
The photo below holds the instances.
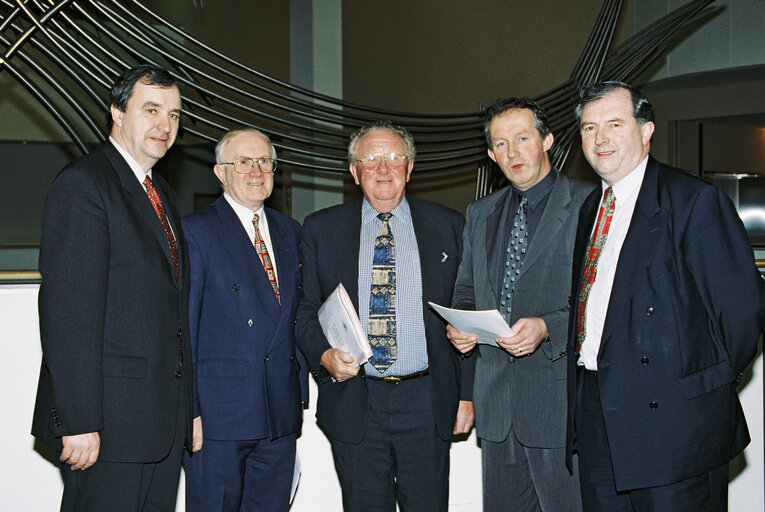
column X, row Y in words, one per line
column 67, row 53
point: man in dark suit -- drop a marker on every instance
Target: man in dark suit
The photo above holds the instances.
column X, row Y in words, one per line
column 389, row 421
column 668, row 306
column 245, row 276
column 520, row 386
column 114, row 396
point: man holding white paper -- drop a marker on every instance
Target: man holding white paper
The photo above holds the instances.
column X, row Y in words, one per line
column 517, row 258
column 390, row 421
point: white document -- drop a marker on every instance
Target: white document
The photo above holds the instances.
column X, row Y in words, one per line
column 342, row 327
column 487, row 325
column 295, row 477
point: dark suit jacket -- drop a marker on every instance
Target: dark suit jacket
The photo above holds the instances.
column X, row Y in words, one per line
column 246, row 383
column 111, row 312
column 330, row 256
column 528, row 393
column 685, row 312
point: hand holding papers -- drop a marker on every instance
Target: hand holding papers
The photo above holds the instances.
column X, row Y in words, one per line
column 487, row 325
column 342, row 327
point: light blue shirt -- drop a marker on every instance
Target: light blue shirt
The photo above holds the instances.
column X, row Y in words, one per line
column 410, row 326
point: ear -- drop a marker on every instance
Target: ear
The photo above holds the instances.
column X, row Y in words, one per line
column 409, row 167
column 491, row 155
column 548, row 141
column 220, row 172
column 646, row 132
column 354, row 173
column 116, row 115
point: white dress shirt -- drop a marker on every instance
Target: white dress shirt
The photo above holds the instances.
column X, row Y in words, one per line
column 625, row 193
column 139, row 173
column 245, row 217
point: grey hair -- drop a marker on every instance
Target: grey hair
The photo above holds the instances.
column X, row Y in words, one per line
column 233, row 133
column 381, row 125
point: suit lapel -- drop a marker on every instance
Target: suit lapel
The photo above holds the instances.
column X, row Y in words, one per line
column 429, row 247
column 141, row 202
column 556, row 213
column 633, row 257
column 283, row 257
column 242, row 253
column 495, row 222
column 349, row 241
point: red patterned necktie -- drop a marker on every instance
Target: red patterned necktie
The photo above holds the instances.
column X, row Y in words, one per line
column 156, row 202
column 265, row 259
column 594, row 248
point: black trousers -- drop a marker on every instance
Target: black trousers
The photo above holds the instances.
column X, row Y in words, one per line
column 401, row 457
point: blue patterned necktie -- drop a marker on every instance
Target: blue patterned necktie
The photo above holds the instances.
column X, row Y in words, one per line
column 381, row 329
column 516, row 252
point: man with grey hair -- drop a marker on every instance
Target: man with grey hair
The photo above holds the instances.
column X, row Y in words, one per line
column 667, row 308
column 389, row 420
column 249, row 381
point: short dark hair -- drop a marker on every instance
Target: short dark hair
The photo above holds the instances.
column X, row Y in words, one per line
column 122, row 89
column 381, row 125
column 502, row 105
column 642, row 109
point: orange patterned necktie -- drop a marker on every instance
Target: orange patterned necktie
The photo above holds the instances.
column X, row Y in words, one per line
column 265, row 259
column 156, row 202
column 594, row 249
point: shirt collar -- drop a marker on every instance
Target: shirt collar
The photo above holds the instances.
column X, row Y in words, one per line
column 626, row 189
column 245, row 214
column 139, row 173
column 368, row 213
column 540, row 190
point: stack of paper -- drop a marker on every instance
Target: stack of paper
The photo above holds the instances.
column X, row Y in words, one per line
column 488, row 325
column 342, row 327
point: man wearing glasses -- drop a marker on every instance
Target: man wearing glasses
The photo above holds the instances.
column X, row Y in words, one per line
column 248, row 380
column 390, row 421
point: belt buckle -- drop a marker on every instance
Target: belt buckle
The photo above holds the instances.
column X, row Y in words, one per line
column 392, row 379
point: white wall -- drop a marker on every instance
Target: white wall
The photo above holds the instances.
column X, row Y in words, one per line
column 30, row 483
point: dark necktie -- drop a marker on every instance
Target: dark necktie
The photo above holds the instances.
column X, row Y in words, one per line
column 594, row 249
column 516, row 252
column 265, row 259
column 381, row 329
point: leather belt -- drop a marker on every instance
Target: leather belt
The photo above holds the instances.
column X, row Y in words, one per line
column 396, row 379
column 582, row 369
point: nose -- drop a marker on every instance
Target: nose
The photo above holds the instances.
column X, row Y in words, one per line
column 163, row 124
column 600, row 137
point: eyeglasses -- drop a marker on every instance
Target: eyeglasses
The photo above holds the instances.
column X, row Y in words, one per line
column 245, row 165
column 394, row 161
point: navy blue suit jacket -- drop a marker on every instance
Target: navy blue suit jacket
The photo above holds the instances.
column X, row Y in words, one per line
column 111, row 313
column 248, row 380
column 686, row 310
column 330, row 254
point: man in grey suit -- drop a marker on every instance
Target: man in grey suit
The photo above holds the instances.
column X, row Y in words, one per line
column 517, row 258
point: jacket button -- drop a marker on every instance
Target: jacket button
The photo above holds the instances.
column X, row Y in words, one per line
column 235, row 287
column 644, row 360
column 179, row 333
column 177, row 374
column 294, row 322
column 265, row 358
column 653, row 405
column 249, row 322
column 649, row 311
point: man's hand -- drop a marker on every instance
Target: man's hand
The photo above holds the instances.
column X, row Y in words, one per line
column 81, row 450
column 196, row 435
column 338, row 364
column 461, row 341
column 465, row 416
column 528, row 334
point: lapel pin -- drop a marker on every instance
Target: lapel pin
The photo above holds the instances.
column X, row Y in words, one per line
column 444, row 257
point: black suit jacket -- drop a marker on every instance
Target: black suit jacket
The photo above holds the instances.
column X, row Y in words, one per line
column 111, row 313
column 686, row 310
column 330, row 256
